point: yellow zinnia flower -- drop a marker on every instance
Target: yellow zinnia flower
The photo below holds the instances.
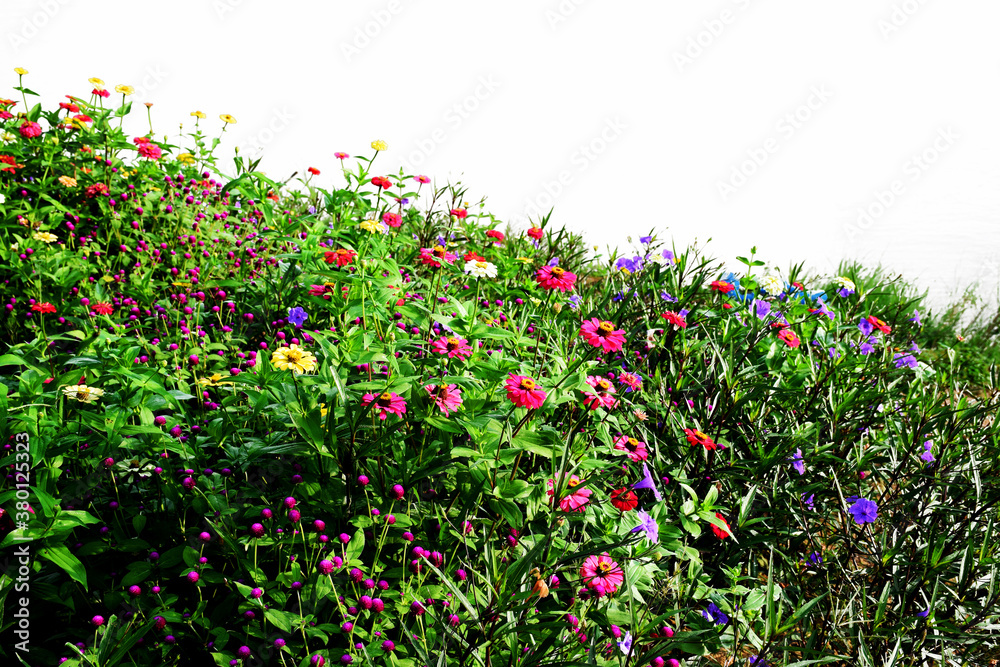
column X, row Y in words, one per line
column 214, row 380
column 185, row 158
column 124, row 90
column 45, row 237
column 68, row 181
column 97, row 83
column 226, row 118
column 379, row 145
column 20, row 71
column 198, row 114
column 372, row 226
column 83, row 393
column 294, row 358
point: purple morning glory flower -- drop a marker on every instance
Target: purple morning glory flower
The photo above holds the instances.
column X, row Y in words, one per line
column 916, row 317
column 648, row 525
column 645, row 240
column 809, row 502
column 865, row 326
column 757, row 662
column 866, row 346
column 669, row 256
column 844, row 292
column 297, row 316
column 798, row 463
column 554, row 261
column 574, row 301
column 647, row 483
column 762, row 308
column 625, row 643
column 666, row 297
column 927, row 455
column 823, row 310
column 905, row 360
column 715, row 615
column 924, row 613
column 864, row 511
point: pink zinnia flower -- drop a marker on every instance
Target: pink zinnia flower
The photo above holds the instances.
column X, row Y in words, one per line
column 555, row 277
column 446, row 396
column 30, row 129
column 149, row 150
column 602, row 571
column 787, row 335
column 422, row 179
column 523, row 392
column 386, row 403
column 576, row 499
column 434, row 256
column 392, row 219
column 630, row 380
column 602, row 334
column 635, row 449
column 341, row 156
column 453, row 347
column 601, row 396
column 536, row 233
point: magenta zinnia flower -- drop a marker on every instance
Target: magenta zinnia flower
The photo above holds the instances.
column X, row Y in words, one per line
column 453, row 347
column 576, row 499
column 602, row 571
column 601, row 396
column 555, row 278
column 630, row 380
column 434, row 256
column 386, row 403
column 635, row 449
column 603, row 335
column 523, row 392
column 446, row 396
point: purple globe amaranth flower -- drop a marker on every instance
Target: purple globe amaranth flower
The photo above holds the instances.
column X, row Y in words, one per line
column 289, row 503
column 864, row 511
column 325, row 566
column 388, row 645
column 97, row 621
column 398, row 491
column 257, row 530
column 193, row 577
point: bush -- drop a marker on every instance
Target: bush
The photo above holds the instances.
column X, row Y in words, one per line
column 250, row 424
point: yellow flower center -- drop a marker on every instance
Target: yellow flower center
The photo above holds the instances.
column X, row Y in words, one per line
column 606, row 328
column 603, row 385
column 438, row 251
column 293, row 356
column 385, row 400
column 527, row 384
column 452, row 344
column 558, row 271
column 604, row 567
column 632, row 444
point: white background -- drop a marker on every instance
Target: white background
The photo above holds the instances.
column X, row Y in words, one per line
column 670, row 101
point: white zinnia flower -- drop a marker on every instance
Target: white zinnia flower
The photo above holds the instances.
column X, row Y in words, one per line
column 772, row 284
column 481, row 269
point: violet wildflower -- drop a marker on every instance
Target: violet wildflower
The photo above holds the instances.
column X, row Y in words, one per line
column 297, row 316
column 864, row 511
column 798, row 463
column 715, row 615
column 648, row 525
column 647, row 483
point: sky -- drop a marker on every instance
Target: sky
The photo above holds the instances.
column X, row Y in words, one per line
column 815, row 132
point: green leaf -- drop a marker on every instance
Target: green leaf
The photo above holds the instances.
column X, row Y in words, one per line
column 61, row 556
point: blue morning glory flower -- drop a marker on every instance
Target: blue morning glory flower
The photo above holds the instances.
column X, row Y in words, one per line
column 762, row 308
column 864, row 511
column 647, row 483
column 297, row 316
column 715, row 615
column 797, row 462
column 648, row 525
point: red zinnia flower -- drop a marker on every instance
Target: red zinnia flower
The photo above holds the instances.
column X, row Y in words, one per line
column 473, row 256
column 699, row 438
column 536, row 233
column 555, row 278
column 723, row 286
column 603, row 335
column 494, row 234
column 43, row 307
column 11, row 163
column 342, row 256
column 313, row 170
column 624, row 499
column 523, row 392
column 719, row 532
column 459, row 213
column 382, row 182
column 150, row 150
column 880, row 325
column 103, row 308
column 675, row 319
